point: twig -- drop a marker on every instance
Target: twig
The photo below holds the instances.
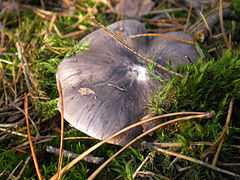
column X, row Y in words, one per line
column 30, row 138
column 149, row 174
column 23, row 168
column 167, row 10
column 13, row 132
column 196, row 161
column 89, row 158
column 167, row 145
column 185, row 168
column 228, row 164
column 79, row 158
column 133, row 51
column 175, row 160
column 141, row 165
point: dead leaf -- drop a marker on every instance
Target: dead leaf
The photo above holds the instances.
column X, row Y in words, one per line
column 86, row 91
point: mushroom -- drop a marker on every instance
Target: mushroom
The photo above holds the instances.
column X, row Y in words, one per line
column 106, row 88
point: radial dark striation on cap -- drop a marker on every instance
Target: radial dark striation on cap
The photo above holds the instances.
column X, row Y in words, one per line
column 107, row 87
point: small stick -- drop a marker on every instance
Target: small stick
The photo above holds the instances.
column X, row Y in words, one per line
column 30, row 138
column 167, row 145
column 133, row 51
column 152, row 174
column 167, row 10
column 141, row 165
column 89, row 158
column 196, row 161
column 13, row 132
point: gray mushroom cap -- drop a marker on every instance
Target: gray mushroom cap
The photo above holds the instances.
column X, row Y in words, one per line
column 107, row 87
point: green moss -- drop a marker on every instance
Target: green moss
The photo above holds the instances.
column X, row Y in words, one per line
column 207, row 85
column 235, row 5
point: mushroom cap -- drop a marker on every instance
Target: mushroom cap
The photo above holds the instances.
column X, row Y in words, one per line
column 107, row 87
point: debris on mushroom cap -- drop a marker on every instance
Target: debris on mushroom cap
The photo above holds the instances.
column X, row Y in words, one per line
column 107, row 88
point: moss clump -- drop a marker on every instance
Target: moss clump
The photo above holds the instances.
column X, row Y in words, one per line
column 235, row 5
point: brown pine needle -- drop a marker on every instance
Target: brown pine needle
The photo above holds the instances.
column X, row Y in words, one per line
column 215, row 159
column 62, row 130
column 205, row 115
column 133, row 51
column 228, row 44
column 165, row 36
column 210, row 149
column 206, row 24
column 71, row 138
column 79, row 158
column 30, row 138
column 52, row 22
column 188, row 18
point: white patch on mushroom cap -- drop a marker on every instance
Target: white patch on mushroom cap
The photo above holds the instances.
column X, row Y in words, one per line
column 142, row 73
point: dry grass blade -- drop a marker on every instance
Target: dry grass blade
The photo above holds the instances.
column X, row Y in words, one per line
column 79, row 158
column 62, row 129
column 133, row 51
column 205, row 115
column 210, row 149
column 197, row 161
column 24, row 62
column 206, row 24
column 30, row 138
column 228, row 44
column 165, row 36
column 54, row 17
